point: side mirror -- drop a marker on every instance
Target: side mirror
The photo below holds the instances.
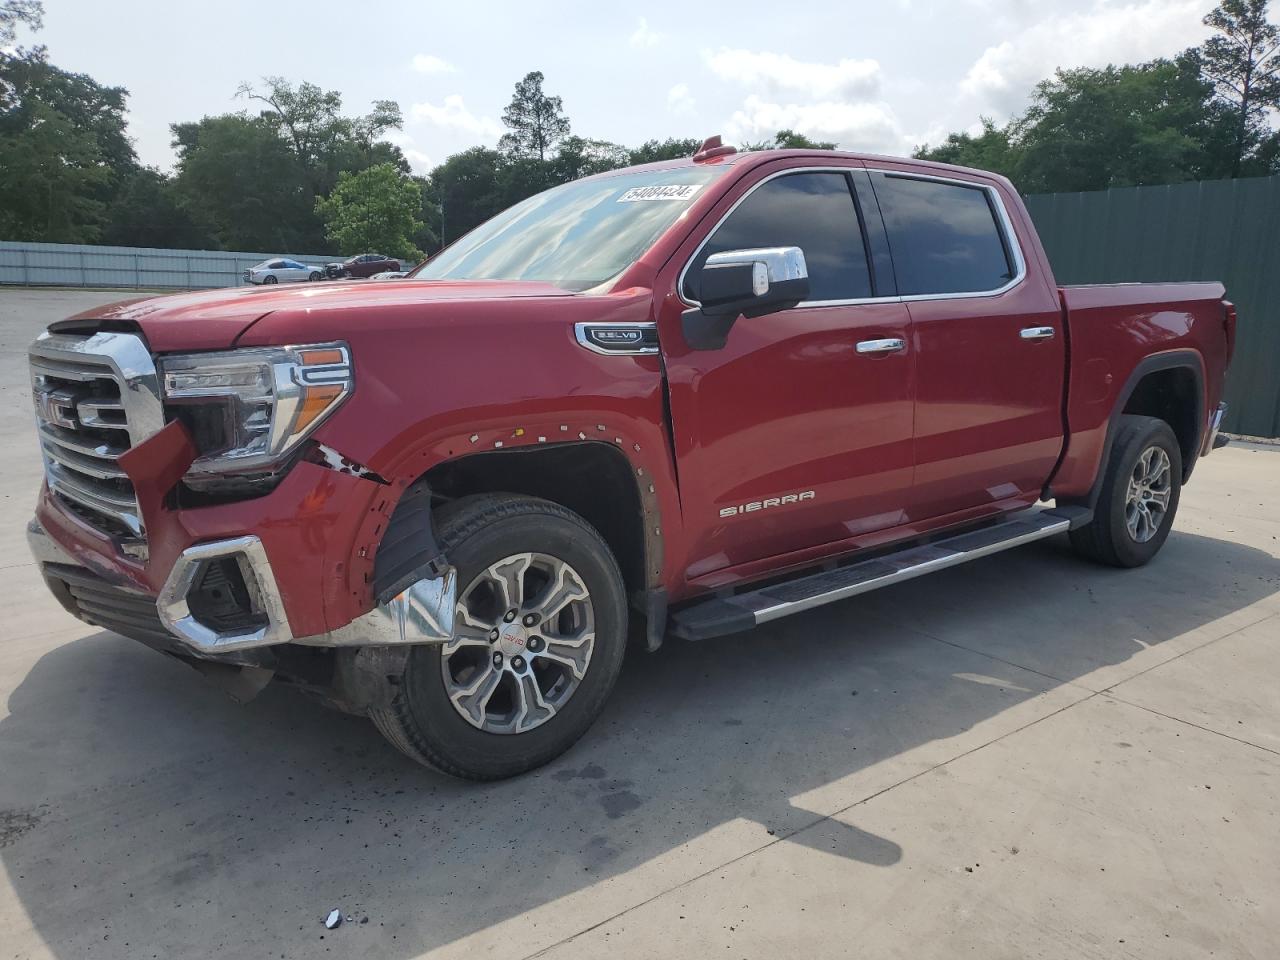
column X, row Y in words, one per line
column 753, row 282
column 747, row 283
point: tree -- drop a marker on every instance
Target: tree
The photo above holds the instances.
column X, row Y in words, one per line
column 468, row 188
column 375, row 209
column 536, row 120
column 92, row 108
column 243, row 185
column 1091, row 129
column 323, row 140
column 53, row 175
column 990, row 150
column 672, row 148
column 790, row 140
column 14, row 12
column 1243, row 62
column 148, row 211
column 580, row 157
column 63, row 145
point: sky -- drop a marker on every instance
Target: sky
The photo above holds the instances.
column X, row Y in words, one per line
column 878, row 77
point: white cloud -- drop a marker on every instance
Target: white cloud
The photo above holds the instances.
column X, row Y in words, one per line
column 644, row 36
column 836, row 101
column 867, row 127
column 777, row 73
column 419, row 161
column 429, row 63
column 454, row 113
column 1110, row 31
column 679, row 99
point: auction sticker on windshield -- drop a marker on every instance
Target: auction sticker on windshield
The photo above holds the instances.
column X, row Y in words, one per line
column 671, row 191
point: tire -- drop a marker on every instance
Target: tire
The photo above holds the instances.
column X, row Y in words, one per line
column 269, row 279
column 1136, row 451
column 315, row 275
column 478, row 534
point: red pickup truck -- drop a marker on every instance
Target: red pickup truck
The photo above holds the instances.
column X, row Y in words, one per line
column 675, row 400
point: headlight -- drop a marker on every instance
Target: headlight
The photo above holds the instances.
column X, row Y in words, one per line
column 247, row 410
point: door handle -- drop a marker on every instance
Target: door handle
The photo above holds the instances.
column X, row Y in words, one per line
column 887, row 345
column 1037, row 333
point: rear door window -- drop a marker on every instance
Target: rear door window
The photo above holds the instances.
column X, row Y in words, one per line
column 813, row 211
column 945, row 237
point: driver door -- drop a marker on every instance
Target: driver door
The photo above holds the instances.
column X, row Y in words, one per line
column 791, row 436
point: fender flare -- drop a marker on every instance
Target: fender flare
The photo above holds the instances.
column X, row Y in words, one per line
column 1182, row 359
column 649, row 469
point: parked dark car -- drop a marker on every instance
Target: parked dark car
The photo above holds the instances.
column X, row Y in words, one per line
column 365, row 265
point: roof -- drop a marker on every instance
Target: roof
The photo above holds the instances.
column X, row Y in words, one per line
column 755, row 157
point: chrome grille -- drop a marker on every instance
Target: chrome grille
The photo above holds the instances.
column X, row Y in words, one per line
column 96, row 397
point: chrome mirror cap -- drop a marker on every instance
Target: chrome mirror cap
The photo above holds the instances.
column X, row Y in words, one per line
column 769, row 265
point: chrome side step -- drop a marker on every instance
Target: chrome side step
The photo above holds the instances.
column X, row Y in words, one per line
column 730, row 614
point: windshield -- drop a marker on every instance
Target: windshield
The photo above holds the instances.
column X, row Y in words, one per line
column 575, row 236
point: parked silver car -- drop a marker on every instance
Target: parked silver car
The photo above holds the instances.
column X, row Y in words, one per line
column 282, row 271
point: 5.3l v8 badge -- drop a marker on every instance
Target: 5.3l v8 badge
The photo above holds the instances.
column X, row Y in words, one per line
column 618, row 338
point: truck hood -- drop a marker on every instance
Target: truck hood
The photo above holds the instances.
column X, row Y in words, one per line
column 214, row 319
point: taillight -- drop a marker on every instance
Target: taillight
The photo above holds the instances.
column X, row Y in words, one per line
column 1229, row 324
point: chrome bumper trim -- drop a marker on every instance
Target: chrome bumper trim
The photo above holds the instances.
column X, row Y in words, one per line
column 423, row 613
column 1214, row 426
column 258, row 577
column 44, row 548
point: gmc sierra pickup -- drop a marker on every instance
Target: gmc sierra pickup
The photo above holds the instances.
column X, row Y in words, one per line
column 676, row 400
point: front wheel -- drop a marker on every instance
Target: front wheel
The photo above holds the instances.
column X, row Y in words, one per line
column 1139, row 496
column 538, row 643
column 269, row 279
column 315, row 275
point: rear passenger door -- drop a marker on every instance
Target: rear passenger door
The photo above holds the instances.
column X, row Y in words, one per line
column 989, row 344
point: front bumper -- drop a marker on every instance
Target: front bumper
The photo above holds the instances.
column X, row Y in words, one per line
column 289, row 550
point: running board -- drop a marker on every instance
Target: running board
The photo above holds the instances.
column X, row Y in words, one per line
column 730, row 614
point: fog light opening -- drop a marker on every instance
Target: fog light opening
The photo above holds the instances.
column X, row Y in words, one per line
column 225, row 597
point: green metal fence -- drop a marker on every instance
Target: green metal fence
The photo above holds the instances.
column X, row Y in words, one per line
column 1226, row 230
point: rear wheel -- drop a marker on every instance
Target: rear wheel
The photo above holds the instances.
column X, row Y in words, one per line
column 539, row 639
column 1139, row 496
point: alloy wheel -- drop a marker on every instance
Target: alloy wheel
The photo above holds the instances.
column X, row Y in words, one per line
column 1149, row 493
column 522, row 643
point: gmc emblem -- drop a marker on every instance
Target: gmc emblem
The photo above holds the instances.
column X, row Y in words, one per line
column 55, row 407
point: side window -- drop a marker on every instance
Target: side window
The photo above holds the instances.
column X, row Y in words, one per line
column 276, row 265
column 812, row 211
column 944, row 237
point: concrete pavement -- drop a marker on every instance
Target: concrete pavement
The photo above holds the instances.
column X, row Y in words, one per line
column 1026, row 756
